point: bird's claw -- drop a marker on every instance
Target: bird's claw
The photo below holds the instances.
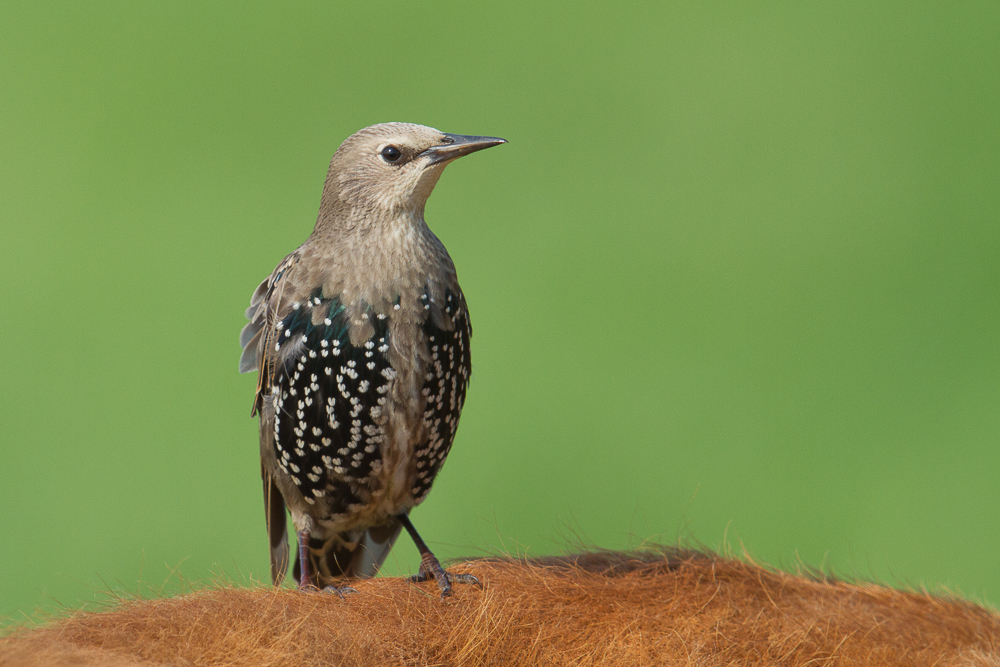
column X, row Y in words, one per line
column 307, row 587
column 340, row 591
column 431, row 568
column 453, row 577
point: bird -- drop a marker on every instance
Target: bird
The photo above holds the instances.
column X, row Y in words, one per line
column 360, row 338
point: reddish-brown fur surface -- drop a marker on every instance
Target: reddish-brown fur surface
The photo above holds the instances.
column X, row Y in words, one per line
column 663, row 608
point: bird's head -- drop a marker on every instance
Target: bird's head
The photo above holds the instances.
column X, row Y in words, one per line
column 393, row 167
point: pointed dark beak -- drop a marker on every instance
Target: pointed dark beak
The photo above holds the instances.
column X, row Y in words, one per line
column 457, row 145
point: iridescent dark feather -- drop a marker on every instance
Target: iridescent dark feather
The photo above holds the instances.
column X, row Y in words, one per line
column 328, row 399
column 445, row 382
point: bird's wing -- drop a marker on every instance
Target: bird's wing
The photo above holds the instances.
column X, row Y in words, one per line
column 265, row 305
column 268, row 303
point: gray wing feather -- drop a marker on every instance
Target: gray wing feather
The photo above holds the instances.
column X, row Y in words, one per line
column 261, row 308
column 251, row 334
column 260, row 312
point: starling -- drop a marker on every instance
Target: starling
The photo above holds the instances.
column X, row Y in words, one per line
column 361, row 341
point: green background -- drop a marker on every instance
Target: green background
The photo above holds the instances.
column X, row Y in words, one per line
column 735, row 280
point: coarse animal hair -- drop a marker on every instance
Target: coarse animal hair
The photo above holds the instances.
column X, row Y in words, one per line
column 654, row 607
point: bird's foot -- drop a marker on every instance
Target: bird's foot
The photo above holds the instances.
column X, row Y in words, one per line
column 430, row 567
column 340, row 591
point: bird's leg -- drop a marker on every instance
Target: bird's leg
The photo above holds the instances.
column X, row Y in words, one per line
column 305, row 575
column 306, row 583
column 429, row 565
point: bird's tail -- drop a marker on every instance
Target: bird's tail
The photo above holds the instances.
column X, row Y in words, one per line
column 345, row 555
column 277, row 532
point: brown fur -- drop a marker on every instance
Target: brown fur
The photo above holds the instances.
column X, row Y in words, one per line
column 660, row 608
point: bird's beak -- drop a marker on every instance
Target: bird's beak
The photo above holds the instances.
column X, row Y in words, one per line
column 457, row 145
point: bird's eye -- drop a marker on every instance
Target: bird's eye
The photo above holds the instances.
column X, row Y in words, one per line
column 391, row 154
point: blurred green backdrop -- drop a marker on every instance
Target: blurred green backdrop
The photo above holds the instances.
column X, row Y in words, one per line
column 735, row 280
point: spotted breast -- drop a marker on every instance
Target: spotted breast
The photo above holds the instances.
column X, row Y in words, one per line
column 334, row 405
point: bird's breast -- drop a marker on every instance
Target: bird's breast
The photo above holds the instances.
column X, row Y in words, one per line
column 366, row 400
